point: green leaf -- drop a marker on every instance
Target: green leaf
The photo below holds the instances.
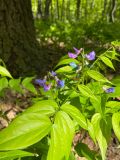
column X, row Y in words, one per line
column 46, row 107
column 83, row 151
column 97, row 105
column 3, row 83
column 14, row 154
column 106, row 126
column 75, row 114
column 5, row 72
column 116, row 124
column 96, row 87
column 97, row 76
column 65, row 69
column 102, row 142
column 72, row 156
column 24, row 131
column 28, row 85
column 15, row 85
column 116, row 43
column 61, row 137
column 116, row 80
column 91, row 131
column 113, row 106
column 112, row 54
column 66, row 61
column 107, row 61
column 86, row 91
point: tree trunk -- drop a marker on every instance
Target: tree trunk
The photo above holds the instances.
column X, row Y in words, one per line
column 112, row 11
column 18, row 46
column 57, row 7
column 86, row 10
column 47, row 6
column 63, row 10
column 78, row 9
column 104, row 10
column 68, row 10
column 39, row 9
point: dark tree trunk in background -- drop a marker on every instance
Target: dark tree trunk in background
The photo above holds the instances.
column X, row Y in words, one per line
column 104, row 14
column 68, row 10
column 63, row 10
column 18, row 46
column 92, row 4
column 86, row 9
column 47, row 6
column 78, row 9
column 39, row 9
column 112, row 11
column 57, row 7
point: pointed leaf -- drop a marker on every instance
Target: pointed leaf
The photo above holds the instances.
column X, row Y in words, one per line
column 116, row 124
column 102, row 142
column 65, row 69
column 61, row 137
column 5, row 72
column 46, row 107
column 97, row 76
column 24, row 131
column 67, row 61
column 84, row 151
column 14, row 154
column 86, row 91
column 107, row 61
column 91, row 131
column 28, row 85
column 75, row 114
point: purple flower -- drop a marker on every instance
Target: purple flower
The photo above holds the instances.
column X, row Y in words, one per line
column 53, row 73
column 60, row 83
column 72, row 55
column 110, row 90
column 40, row 82
column 73, row 65
column 77, row 51
column 90, row 56
column 47, row 87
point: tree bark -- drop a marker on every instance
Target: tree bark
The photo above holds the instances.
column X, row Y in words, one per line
column 78, row 9
column 57, row 7
column 112, row 11
column 104, row 14
column 47, row 6
column 68, row 10
column 39, row 9
column 63, row 10
column 18, row 46
column 86, row 10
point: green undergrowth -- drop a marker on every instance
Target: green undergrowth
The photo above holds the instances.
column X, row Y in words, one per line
column 76, row 96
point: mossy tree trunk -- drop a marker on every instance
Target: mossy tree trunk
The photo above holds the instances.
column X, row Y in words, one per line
column 18, row 46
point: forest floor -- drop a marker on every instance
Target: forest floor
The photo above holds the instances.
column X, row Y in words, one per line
column 13, row 103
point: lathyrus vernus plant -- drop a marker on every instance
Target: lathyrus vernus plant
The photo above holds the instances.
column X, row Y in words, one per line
column 74, row 96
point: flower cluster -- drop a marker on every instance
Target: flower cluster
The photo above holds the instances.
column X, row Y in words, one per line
column 77, row 52
column 109, row 90
column 90, row 56
column 47, row 84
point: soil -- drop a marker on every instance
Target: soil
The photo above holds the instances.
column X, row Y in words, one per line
column 113, row 151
